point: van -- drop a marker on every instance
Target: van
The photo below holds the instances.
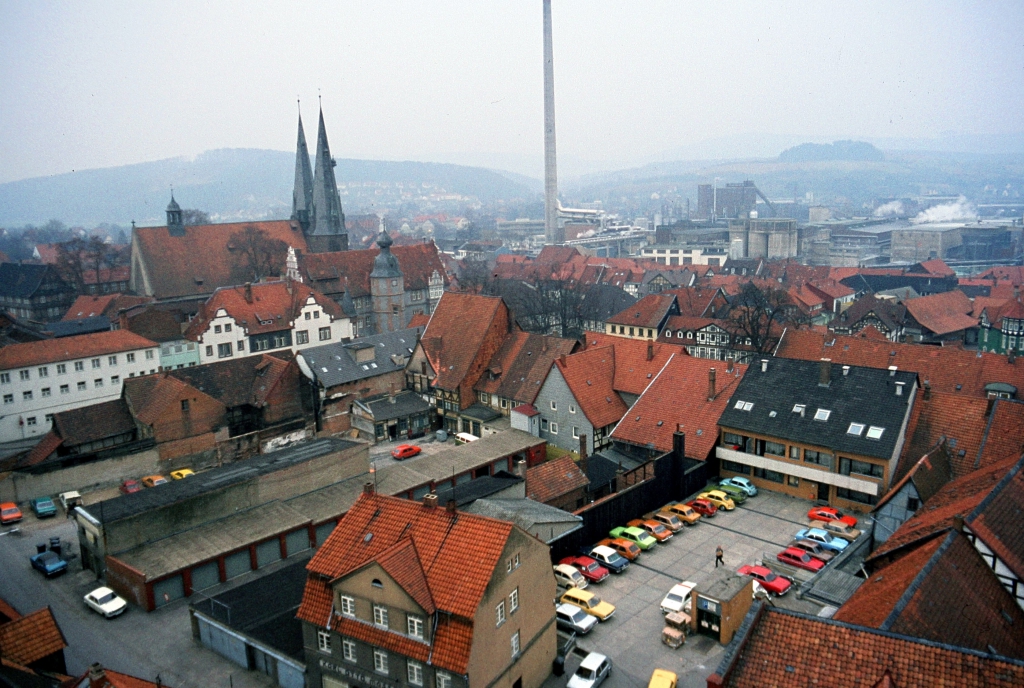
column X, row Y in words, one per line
column 465, row 438
column 69, row 500
column 568, row 577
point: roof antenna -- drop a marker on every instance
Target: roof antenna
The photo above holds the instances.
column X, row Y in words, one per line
column 298, row 100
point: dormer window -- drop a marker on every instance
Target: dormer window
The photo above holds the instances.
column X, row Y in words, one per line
column 799, row 408
column 744, row 405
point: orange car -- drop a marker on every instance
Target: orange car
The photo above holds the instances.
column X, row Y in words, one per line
column 624, row 547
column 9, row 513
column 657, row 530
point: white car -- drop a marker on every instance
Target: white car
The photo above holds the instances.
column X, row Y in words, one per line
column 594, row 669
column 678, row 598
column 105, row 601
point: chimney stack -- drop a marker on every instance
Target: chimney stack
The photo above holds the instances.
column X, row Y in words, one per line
column 728, row 365
column 650, row 350
column 679, row 442
column 368, row 488
column 1012, row 356
column 520, row 468
column 711, row 384
column 450, row 506
column 899, row 388
column 248, row 292
column 846, row 370
column 927, row 390
column 988, row 407
column 764, row 365
column 892, row 371
column 430, row 500
column 97, row 676
column 825, row 372
column 583, row 454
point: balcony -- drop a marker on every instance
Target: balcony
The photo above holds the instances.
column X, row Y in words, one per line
column 804, row 472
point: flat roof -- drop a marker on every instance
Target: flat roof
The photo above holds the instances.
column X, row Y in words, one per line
column 125, row 506
column 474, row 454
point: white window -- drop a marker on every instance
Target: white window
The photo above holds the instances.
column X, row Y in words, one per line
column 128, row 357
column 241, row 345
column 348, row 649
column 515, row 644
column 380, row 616
column 572, row 408
column 554, row 406
column 575, row 433
column 554, row 428
column 875, row 432
column 96, row 363
column 415, row 626
column 442, row 680
column 513, row 601
column 414, row 672
column 323, row 641
column 216, row 329
column 227, row 328
column 23, row 374
column 380, row 661
column 855, row 429
column 515, row 561
column 744, row 405
column 115, row 380
column 80, row 366
column 822, row 414
column 500, row 612
column 44, row 372
column 81, row 386
column 348, row 605
column 62, row 368
column 302, row 336
column 98, row 382
column 5, row 378
column 799, row 408
column 325, row 334
column 45, row 392
column 111, row 360
column 209, row 351
column 149, row 355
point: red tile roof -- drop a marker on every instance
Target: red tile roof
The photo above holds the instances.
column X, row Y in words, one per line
column 419, row 320
column 997, row 522
column 148, row 397
column 333, row 272
column 937, row 266
column 552, row 479
column 68, row 348
column 1013, row 274
column 32, row 637
column 7, row 612
column 696, row 301
column 929, row 473
column 678, row 398
column 960, row 421
column 108, row 305
column 264, row 307
column 912, row 596
column 943, row 313
column 590, row 375
column 650, row 311
column 633, row 370
column 783, row 648
column 456, row 340
column 521, row 365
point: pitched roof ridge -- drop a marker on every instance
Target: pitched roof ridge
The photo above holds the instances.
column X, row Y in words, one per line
column 999, row 487
column 911, row 590
column 988, row 428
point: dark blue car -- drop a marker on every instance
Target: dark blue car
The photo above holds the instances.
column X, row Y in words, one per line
column 49, row 563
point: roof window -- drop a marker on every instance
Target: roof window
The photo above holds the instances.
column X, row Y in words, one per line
column 744, row 405
column 822, row 414
column 875, row 432
column 855, row 429
column 799, row 408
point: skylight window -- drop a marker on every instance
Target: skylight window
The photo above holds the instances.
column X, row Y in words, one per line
column 855, row 429
column 799, row 408
column 822, row 414
column 875, row 432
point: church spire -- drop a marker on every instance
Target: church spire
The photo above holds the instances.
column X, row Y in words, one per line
column 302, row 194
column 327, row 218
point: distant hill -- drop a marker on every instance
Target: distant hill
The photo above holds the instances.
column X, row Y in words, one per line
column 229, row 184
column 855, row 151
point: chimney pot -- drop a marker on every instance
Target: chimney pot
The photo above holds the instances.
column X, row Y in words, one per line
column 430, row 500
column 892, row 371
column 248, row 292
column 846, row 370
column 927, row 390
column 650, row 350
column 825, row 372
column 728, row 365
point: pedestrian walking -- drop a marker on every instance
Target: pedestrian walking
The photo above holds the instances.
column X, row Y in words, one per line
column 718, row 556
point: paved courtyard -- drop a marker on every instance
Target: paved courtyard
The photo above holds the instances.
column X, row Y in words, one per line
column 753, row 532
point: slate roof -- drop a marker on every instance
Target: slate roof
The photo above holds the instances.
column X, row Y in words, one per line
column 22, row 280
column 525, row 513
column 678, row 398
column 269, row 307
column 590, row 375
column 633, row 370
column 335, row 271
column 553, row 479
column 31, row 637
column 391, row 352
column 248, row 380
column 913, row 596
column 456, row 334
column 385, row 407
column 776, row 647
column 943, row 313
column 521, row 365
column 650, row 311
column 456, row 552
column 864, row 395
column 202, row 260
column 68, row 348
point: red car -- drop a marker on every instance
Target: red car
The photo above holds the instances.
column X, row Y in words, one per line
column 827, row 513
column 404, row 451
column 590, row 569
column 703, row 507
column 769, row 580
column 800, row 559
column 9, row 513
column 129, row 486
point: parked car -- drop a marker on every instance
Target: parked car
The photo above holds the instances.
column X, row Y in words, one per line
column 836, row 528
column 814, row 549
column 130, row 486
column 609, row 558
column 737, row 494
column 44, row 507
column 686, row 513
column 742, row 483
column 182, row 473
column 405, row 451
column 568, row 577
column 569, row 617
column 663, row 678
column 48, row 563
column 636, row 535
column 703, row 507
column 679, row 598
column 105, row 602
column 10, row 513
column 800, row 559
column 594, row 669
column 833, row 544
column 719, row 499
column 625, row 548
column 588, row 602
column 69, row 500
column 591, row 570
column 154, row 480
column 827, row 513
column 769, row 580
column 653, row 528
column 667, row 519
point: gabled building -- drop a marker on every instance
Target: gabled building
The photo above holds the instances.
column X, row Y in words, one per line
column 410, row 593
column 644, row 319
column 926, row 477
column 817, row 430
column 33, row 642
column 944, row 317
column 517, row 371
column 1002, row 329
column 34, row 292
column 885, row 315
column 707, row 338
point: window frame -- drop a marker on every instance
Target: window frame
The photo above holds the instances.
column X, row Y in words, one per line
column 380, row 660
column 348, row 605
column 348, row 650
column 380, row 616
column 499, row 613
column 323, row 641
column 414, row 626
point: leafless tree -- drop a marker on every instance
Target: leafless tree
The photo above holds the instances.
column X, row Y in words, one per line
column 192, row 217
column 257, row 255
column 71, row 263
column 758, row 314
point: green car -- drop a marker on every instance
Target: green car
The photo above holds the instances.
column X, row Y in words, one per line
column 641, row 537
column 43, row 507
column 738, row 494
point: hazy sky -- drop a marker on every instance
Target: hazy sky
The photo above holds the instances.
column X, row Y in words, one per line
column 86, row 85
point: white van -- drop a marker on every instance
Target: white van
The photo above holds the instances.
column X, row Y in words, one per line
column 568, row 577
column 465, row 438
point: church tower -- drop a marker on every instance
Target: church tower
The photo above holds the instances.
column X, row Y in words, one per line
column 327, row 221
column 302, row 194
column 387, row 287
column 175, row 219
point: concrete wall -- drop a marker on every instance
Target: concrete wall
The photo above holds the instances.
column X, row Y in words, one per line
column 20, row 487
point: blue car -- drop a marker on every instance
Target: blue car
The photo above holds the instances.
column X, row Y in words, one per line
column 834, row 544
column 49, row 563
column 741, row 483
column 44, row 506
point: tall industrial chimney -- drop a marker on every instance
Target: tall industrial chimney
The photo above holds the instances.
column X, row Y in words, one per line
column 552, row 234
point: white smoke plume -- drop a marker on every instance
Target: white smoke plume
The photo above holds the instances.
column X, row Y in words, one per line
column 961, row 211
column 890, row 209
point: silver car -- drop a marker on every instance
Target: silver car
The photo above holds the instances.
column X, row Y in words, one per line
column 569, row 617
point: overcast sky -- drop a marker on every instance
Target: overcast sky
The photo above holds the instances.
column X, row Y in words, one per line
column 85, row 85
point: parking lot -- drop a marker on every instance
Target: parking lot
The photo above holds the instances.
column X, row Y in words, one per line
column 755, row 531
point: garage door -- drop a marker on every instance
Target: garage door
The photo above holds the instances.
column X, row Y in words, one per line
column 236, row 564
column 297, row 541
column 268, row 552
column 168, row 590
column 205, row 576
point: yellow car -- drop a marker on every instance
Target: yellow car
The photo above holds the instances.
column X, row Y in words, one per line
column 663, row 679
column 589, row 602
column 154, row 480
column 719, row 499
column 183, row 473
